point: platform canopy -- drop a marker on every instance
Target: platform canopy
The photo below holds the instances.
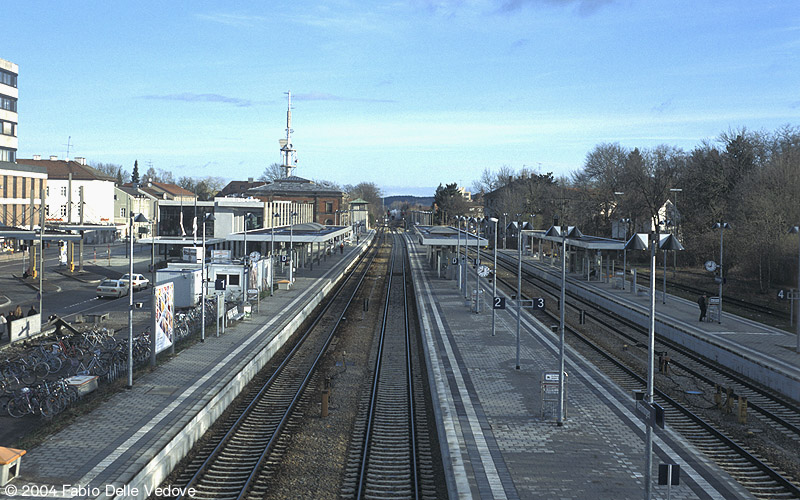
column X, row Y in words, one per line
column 446, row 236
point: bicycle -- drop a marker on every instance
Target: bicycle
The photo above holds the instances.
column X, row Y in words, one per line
column 25, row 402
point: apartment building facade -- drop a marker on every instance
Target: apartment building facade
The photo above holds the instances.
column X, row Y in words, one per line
column 9, row 95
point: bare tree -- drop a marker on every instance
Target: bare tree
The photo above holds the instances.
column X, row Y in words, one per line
column 271, row 173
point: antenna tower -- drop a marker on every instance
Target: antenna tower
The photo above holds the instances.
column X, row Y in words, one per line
column 69, row 140
column 287, row 151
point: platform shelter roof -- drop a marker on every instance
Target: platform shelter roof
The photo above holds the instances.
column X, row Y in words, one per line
column 446, row 236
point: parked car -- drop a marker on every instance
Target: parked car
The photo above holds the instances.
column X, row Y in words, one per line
column 112, row 288
column 139, row 281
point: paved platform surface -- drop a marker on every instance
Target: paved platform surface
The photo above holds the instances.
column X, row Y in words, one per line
column 496, row 438
column 108, row 447
column 770, row 349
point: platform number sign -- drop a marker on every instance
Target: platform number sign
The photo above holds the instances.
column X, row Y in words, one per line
column 538, row 303
column 455, row 260
column 499, row 303
column 787, row 294
column 782, row 294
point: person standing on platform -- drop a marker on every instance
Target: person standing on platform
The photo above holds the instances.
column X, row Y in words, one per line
column 703, row 303
column 3, row 326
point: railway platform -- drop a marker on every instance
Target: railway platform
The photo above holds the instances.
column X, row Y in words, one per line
column 758, row 351
column 128, row 444
column 498, row 434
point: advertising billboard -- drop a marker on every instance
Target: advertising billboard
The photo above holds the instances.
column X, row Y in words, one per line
column 164, row 315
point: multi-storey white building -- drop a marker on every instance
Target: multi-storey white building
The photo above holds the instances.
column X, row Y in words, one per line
column 8, row 110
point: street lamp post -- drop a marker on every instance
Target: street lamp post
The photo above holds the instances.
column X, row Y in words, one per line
column 676, row 217
column 669, row 243
column 494, row 273
column 667, row 223
column 721, row 226
column 505, row 229
column 796, row 230
column 291, row 247
column 139, row 218
column 272, row 253
column 209, row 217
column 626, row 222
column 458, row 251
column 245, row 284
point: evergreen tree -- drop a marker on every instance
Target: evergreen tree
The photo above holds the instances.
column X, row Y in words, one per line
column 135, row 174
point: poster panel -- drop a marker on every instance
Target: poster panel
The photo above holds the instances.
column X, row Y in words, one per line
column 164, row 315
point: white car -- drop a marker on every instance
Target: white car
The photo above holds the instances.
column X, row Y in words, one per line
column 139, row 281
column 112, row 288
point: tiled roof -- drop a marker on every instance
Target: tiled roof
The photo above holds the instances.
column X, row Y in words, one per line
column 60, row 169
column 239, row 187
column 291, row 185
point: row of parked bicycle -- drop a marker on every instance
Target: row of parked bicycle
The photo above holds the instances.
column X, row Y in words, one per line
column 33, row 380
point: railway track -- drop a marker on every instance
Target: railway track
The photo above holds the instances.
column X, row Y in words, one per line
column 390, row 455
column 234, row 462
column 750, row 470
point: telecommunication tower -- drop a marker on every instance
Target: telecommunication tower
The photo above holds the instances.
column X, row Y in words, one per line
column 288, row 153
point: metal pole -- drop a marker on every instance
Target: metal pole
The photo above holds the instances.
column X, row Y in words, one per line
column 458, row 252
column 798, row 290
column 272, row 257
column 721, row 274
column 477, row 259
column 648, row 458
column 494, row 278
column 664, row 296
column 291, row 247
column 561, row 333
column 519, row 293
column 244, row 265
column 130, row 307
column 203, row 281
column 41, row 256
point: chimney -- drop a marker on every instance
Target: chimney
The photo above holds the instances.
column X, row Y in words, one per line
column 37, row 157
column 81, row 160
column 53, row 158
column 250, row 180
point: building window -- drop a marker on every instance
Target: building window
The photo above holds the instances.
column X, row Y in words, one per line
column 63, row 190
column 8, row 103
column 9, row 155
column 47, row 191
column 122, row 212
column 8, row 128
column 328, row 207
column 63, row 211
column 8, row 78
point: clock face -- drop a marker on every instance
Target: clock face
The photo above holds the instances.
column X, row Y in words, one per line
column 711, row 266
column 483, row 271
column 255, row 255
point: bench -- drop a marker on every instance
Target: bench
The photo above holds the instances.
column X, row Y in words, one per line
column 284, row 284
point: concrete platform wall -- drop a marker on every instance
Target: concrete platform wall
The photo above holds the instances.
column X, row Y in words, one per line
column 157, row 469
column 757, row 368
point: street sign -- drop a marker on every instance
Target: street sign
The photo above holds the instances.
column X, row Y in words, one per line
column 538, row 303
column 499, row 303
column 219, row 284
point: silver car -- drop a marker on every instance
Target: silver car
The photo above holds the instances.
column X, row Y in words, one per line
column 112, row 288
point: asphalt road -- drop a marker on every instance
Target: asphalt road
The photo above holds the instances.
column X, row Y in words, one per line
column 71, row 294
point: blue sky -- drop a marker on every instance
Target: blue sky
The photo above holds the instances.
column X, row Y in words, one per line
column 407, row 95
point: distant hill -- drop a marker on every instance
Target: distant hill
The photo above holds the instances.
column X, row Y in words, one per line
column 425, row 201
